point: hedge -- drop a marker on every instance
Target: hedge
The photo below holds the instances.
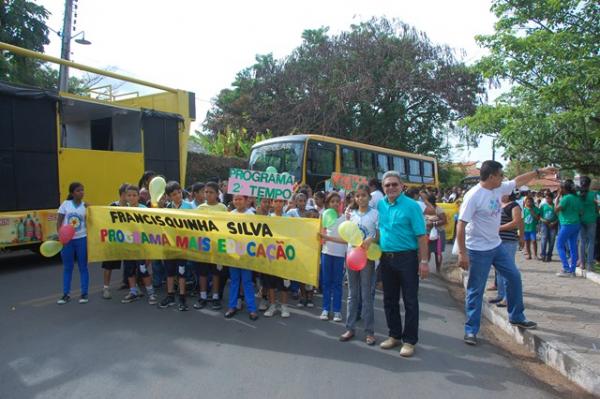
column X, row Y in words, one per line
column 205, row 167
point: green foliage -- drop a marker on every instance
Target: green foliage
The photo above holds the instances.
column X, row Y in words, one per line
column 382, row 82
column 204, row 167
column 230, row 142
column 548, row 50
column 450, row 175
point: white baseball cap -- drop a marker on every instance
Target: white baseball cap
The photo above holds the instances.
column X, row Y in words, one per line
column 523, row 188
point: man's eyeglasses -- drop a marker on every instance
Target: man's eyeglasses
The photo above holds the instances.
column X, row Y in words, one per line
column 388, row 185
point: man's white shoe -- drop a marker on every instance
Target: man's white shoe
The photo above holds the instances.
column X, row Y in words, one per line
column 324, row 315
column 407, row 350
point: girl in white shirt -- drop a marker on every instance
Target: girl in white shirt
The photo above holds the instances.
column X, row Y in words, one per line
column 73, row 212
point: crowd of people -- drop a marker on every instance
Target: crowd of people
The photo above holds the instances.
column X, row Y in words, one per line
column 408, row 225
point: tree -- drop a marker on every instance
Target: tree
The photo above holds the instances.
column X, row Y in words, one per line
column 229, row 143
column 382, row 82
column 549, row 51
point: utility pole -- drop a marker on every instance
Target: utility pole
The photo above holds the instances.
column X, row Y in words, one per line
column 65, row 53
column 493, row 149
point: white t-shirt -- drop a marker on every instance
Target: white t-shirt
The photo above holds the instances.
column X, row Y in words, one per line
column 482, row 210
column 334, row 248
column 246, row 212
column 75, row 216
column 367, row 222
column 375, row 197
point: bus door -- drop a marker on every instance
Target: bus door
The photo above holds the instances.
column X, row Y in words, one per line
column 320, row 163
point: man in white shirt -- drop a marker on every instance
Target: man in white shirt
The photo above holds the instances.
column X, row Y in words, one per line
column 376, row 193
column 479, row 245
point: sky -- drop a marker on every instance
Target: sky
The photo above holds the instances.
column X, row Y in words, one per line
column 200, row 46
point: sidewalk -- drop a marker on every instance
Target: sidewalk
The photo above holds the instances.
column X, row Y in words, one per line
column 567, row 311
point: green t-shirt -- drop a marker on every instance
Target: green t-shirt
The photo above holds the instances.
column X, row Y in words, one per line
column 571, row 209
column 547, row 212
column 529, row 218
column 589, row 208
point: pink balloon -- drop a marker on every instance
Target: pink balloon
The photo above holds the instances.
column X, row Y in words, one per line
column 356, row 259
column 66, row 233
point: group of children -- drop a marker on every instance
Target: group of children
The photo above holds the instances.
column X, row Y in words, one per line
column 206, row 197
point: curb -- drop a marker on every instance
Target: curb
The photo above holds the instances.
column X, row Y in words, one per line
column 553, row 353
column 592, row 276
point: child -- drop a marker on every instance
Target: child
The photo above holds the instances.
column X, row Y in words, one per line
column 548, row 228
column 531, row 215
column 111, row 265
column 211, row 204
column 300, row 211
column 332, row 263
column 175, row 266
column 198, row 194
column 73, row 212
column 240, row 202
column 271, row 283
column 363, row 281
column 319, row 198
column 141, row 266
column 264, row 206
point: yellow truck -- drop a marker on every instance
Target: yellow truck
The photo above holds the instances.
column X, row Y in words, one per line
column 49, row 139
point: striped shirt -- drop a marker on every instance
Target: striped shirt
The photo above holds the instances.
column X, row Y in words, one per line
column 508, row 235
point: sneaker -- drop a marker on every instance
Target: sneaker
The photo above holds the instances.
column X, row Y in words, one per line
column 64, row 299
column 201, row 304
column 270, row 312
column 407, row 350
column 152, row 299
column 310, row 303
column 253, row 316
column 563, row 273
column 285, row 312
column 337, row 317
column 264, row 305
column 324, row 315
column 182, row 305
column 130, row 297
column 106, row 293
column 390, row 343
column 83, row 299
column 216, row 304
column 302, row 303
column 470, row 339
column 526, row 324
column 167, row 302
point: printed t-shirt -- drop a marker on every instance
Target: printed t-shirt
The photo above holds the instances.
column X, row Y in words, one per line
column 529, row 219
column 334, row 248
column 571, row 209
column 589, row 208
column 482, row 211
column 547, row 212
column 75, row 216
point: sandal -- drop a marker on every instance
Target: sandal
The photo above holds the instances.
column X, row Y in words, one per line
column 370, row 340
column 347, row 336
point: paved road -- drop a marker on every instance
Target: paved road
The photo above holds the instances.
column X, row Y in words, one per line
column 109, row 350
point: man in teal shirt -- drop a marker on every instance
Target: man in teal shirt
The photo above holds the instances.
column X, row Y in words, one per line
column 404, row 246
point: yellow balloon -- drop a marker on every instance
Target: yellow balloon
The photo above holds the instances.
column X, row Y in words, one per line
column 157, row 189
column 374, row 252
column 50, row 248
column 350, row 233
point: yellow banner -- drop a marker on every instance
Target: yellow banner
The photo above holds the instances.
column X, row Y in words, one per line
column 279, row 246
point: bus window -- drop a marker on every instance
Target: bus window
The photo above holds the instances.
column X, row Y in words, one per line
column 399, row 166
column 428, row 177
column 366, row 164
column 349, row 161
column 414, row 171
column 321, row 158
column 285, row 157
column 382, row 165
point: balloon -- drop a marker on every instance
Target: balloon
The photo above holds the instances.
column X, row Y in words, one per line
column 65, row 233
column 350, row 233
column 356, row 259
column 271, row 169
column 329, row 217
column 50, row 248
column 157, row 189
column 374, row 252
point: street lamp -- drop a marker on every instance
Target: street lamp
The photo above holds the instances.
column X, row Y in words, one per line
column 65, row 53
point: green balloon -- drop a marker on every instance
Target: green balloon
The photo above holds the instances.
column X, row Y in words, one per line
column 271, row 169
column 329, row 217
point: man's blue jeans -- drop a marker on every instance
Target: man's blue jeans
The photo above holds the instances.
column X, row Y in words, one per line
column 548, row 238
column 511, row 248
column 479, row 269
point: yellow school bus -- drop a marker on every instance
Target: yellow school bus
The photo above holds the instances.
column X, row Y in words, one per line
column 49, row 139
column 312, row 158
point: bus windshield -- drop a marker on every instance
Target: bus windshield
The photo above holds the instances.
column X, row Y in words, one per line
column 285, row 157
